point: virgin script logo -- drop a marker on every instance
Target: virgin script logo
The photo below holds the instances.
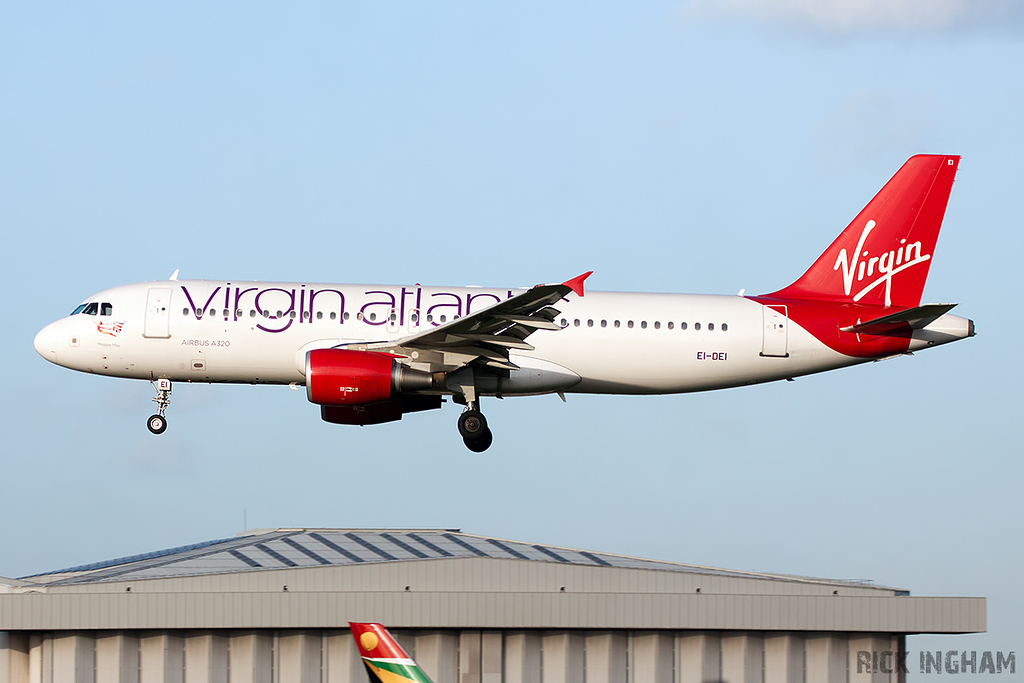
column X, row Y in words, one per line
column 863, row 265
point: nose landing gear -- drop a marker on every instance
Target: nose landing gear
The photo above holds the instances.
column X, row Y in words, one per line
column 158, row 423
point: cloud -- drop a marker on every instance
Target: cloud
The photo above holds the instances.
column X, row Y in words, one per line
column 853, row 17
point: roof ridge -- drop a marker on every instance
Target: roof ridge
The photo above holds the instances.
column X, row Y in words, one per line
column 745, row 572
column 171, row 554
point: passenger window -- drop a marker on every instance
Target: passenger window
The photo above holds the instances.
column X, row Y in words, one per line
column 617, row 323
column 643, row 324
column 711, row 326
column 79, row 309
column 334, row 316
column 682, row 326
column 590, row 323
column 238, row 313
column 319, row 315
column 630, row 324
column 443, row 318
column 184, row 311
column 604, row 323
column 252, row 313
column 696, row 326
column 671, row 325
column 657, row 325
column 266, row 314
column 725, row 327
column 292, row 315
column 90, row 309
column 415, row 318
column 565, row 323
column 430, row 317
column 106, row 309
column 344, row 317
column 576, row 322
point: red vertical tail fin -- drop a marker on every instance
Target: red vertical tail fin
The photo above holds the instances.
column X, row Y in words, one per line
column 883, row 256
column 383, row 657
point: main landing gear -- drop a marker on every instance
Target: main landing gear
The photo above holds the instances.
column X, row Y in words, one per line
column 158, row 423
column 472, row 423
column 474, row 430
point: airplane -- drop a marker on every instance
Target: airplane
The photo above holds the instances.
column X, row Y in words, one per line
column 385, row 660
column 369, row 354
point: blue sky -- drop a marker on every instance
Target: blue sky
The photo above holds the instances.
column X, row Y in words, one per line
column 685, row 147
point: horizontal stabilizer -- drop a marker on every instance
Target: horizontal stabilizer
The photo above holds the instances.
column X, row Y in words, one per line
column 899, row 323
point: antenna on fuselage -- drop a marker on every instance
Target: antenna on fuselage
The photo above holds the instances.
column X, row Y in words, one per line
column 174, row 275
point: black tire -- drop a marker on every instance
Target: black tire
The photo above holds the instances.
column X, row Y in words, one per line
column 481, row 443
column 472, row 424
column 157, row 424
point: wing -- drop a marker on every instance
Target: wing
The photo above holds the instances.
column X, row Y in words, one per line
column 487, row 335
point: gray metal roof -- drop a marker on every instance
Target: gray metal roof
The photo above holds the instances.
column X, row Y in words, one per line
column 267, row 549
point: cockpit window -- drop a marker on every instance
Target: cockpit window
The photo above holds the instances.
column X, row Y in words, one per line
column 90, row 309
column 79, row 309
column 106, row 309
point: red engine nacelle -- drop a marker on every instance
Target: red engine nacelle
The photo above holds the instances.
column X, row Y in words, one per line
column 339, row 377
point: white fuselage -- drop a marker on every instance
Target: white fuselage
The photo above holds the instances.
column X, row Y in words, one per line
column 260, row 332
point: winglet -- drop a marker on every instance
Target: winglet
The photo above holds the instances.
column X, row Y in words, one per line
column 174, row 275
column 576, row 284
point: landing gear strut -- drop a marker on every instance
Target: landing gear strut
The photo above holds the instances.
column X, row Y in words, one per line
column 472, row 423
column 474, row 430
column 158, row 423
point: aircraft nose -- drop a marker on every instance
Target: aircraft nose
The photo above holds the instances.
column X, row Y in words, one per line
column 46, row 342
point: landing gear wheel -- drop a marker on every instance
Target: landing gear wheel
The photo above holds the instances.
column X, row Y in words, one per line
column 472, row 425
column 481, row 443
column 157, row 424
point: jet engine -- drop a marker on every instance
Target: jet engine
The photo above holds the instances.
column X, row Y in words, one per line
column 365, row 387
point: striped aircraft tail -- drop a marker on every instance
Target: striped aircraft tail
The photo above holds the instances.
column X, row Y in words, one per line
column 384, row 658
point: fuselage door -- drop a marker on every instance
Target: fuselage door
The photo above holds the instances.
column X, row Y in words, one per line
column 774, row 342
column 158, row 313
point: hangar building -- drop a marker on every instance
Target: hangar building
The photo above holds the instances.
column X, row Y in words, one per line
column 272, row 606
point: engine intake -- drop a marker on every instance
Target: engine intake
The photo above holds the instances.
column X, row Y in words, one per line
column 340, row 377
